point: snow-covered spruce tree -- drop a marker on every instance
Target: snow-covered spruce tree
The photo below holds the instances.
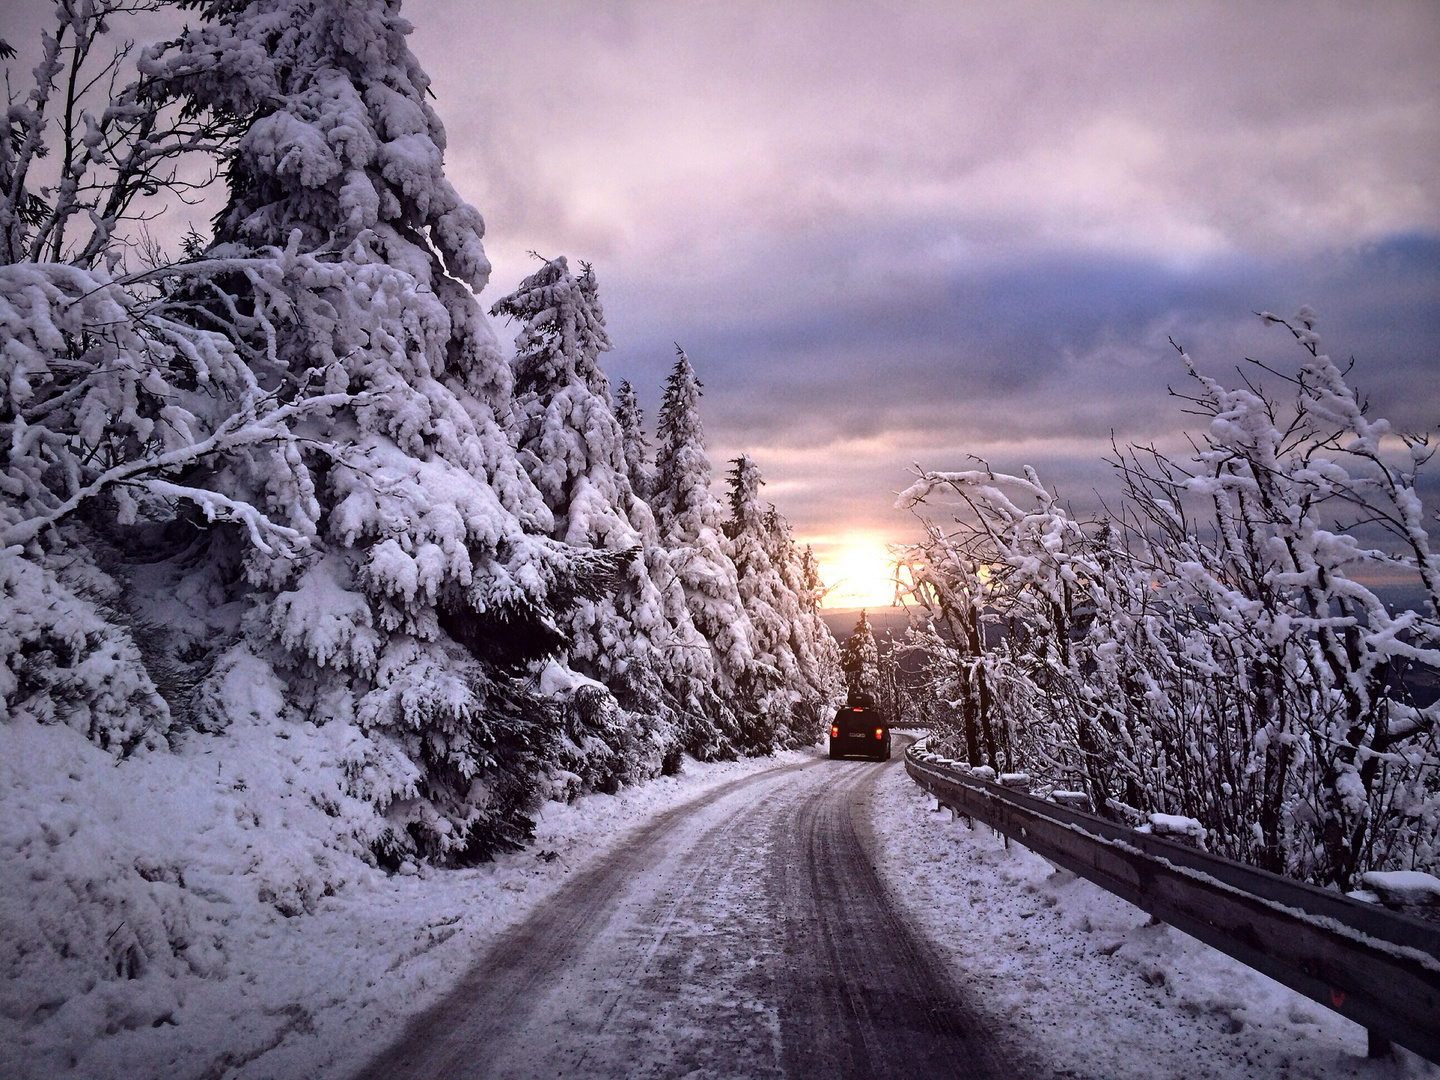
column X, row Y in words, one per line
column 813, row 588
column 811, row 638
column 421, row 599
column 690, row 520
column 797, row 657
column 895, row 698
column 860, row 661
column 639, row 466
column 639, row 641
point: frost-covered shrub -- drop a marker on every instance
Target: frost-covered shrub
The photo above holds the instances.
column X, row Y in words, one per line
column 1212, row 652
column 1001, row 588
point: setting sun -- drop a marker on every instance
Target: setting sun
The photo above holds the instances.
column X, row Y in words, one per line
column 859, row 575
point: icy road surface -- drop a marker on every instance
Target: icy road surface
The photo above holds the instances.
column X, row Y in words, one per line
column 744, row 934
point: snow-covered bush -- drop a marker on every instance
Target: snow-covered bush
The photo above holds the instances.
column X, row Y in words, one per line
column 1305, row 496
column 1003, row 588
column 1212, row 652
column 63, row 657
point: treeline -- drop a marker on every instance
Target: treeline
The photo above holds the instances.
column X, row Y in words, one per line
column 292, row 471
column 1210, row 648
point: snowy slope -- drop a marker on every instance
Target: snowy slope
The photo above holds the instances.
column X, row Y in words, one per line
column 201, row 914
column 1100, row 990
column 143, row 925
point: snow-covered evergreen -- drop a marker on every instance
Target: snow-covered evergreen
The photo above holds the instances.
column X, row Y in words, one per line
column 430, row 590
column 313, row 415
column 860, row 661
column 690, row 518
column 631, row 418
column 639, row 640
column 797, row 656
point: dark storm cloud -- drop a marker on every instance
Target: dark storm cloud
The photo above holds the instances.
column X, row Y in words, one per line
column 1075, row 345
column 838, row 389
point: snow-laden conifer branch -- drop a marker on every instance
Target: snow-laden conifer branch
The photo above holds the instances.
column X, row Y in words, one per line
column 501, row 597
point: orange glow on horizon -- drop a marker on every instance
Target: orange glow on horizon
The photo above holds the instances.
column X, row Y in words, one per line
column 859, row 575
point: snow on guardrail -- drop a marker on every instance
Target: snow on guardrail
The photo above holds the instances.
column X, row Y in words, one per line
column 1378, row 967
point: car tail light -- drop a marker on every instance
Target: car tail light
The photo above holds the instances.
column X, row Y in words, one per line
column 879, row 732
column 834, row 731
column 856, row 710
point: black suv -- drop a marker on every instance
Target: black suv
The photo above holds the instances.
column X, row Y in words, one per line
column 858, row 731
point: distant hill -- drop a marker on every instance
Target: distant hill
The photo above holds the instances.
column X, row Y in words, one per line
column 842, row 620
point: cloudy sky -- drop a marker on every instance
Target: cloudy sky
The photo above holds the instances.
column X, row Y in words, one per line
column 908, row 232
column 901, row 233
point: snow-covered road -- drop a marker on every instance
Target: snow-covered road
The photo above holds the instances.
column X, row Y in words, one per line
column 765, row 917
column 743, row 934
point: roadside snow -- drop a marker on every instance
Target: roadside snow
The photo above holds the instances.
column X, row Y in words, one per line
column 1100, row 990
column 200, row 913
column 1404, row 887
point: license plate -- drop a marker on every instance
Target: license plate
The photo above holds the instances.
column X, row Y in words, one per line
column 857, row 734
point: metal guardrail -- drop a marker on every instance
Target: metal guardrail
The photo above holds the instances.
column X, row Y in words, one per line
column 1372, row 965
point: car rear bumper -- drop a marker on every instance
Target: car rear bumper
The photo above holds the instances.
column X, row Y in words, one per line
column 857, row 749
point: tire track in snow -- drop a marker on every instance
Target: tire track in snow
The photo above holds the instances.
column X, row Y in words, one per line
column 869, row 996
column 744, row 934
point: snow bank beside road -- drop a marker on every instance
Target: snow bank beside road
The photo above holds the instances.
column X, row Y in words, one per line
column 1101, row 991
column 200, row 914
